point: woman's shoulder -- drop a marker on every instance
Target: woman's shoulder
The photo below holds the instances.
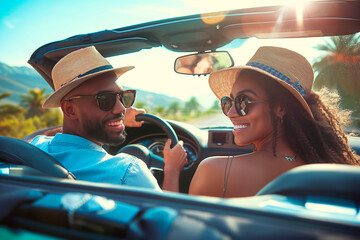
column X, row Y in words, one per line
column 213, row 161
column 209, row 177
column 218, row 161
column 216, row 165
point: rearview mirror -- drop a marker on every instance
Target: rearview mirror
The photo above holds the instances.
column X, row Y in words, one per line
column 203, row 63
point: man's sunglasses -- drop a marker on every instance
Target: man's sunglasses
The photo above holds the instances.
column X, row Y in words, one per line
column 241, row 104
column 106, row 100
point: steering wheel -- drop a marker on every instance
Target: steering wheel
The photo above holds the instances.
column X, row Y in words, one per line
column 152, row 160
column 19, row 152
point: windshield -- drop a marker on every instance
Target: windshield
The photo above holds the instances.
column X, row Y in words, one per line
column 163, row 92
column 194, row 102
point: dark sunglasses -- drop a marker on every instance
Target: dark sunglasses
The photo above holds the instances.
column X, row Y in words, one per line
column 241, row 104
column 106, row 100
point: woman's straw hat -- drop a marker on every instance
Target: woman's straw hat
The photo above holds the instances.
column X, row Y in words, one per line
column 286, row 67
column 74, row 69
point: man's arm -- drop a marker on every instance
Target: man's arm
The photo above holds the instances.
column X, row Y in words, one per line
column 175, row 160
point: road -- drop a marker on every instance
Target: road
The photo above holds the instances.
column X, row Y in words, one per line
column 212, row 121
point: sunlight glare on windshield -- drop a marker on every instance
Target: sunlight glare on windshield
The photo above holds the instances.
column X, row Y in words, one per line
column 299, row 13
column 299, row 8
column 206, row 6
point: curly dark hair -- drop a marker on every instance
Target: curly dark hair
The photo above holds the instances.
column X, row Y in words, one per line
column 316, row 140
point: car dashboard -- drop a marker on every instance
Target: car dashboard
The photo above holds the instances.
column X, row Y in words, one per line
column 198, row 143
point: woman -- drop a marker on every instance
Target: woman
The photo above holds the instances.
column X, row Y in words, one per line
column 271, row 105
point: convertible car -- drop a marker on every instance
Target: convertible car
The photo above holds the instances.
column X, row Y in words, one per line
column 42, row 200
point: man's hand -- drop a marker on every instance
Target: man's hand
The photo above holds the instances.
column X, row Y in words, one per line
column 175, row 160
column 130, row 114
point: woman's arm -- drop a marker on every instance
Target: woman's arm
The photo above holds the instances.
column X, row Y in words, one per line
column 208, row 178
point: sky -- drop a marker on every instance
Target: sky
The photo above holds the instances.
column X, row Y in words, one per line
column 26, row 25
column 29, row 24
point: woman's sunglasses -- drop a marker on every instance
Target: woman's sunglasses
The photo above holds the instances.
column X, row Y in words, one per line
column 106, row 100
column 241, row 104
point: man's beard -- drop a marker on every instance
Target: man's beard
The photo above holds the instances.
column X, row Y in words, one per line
column 95, row 131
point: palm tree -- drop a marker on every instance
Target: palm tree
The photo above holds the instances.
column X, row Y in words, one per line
column 7, row 110
column 33, row 102
column 339, row 69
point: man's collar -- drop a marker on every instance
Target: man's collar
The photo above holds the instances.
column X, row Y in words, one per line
column 75, row 141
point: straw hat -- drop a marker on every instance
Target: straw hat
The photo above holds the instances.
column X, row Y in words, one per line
column 74, row 69
column 286, row 67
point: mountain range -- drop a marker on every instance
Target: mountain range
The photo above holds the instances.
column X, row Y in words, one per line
column 18, row 81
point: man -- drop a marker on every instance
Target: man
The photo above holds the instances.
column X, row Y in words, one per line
column 94, row 108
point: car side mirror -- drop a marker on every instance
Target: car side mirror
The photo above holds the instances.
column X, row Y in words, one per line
column 203, row 63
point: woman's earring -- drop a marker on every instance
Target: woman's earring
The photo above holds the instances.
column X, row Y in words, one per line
column 281, row 120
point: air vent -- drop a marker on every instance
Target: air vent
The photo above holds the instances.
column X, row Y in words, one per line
column 219, row 138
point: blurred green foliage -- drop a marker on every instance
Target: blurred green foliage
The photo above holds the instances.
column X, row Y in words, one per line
column 190, row 110
column 18, row 121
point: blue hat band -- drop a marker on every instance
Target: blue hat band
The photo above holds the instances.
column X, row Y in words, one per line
column 98, row 69
column 297, row 86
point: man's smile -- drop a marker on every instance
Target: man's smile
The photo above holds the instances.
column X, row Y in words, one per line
column 116, row 124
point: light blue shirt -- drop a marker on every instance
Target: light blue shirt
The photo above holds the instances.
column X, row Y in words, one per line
column 90, row 162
